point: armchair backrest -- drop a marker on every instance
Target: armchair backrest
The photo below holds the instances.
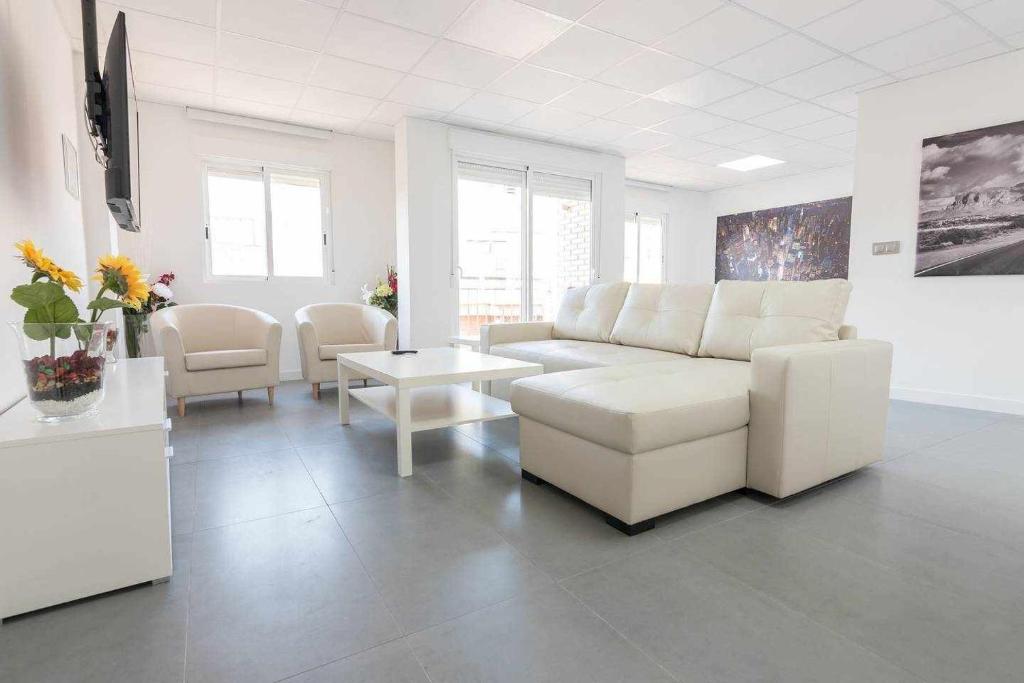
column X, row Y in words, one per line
column 338, row 323
column 217, row 327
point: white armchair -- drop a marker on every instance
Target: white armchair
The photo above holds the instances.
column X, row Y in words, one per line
column 325, row 330
column 216, row 348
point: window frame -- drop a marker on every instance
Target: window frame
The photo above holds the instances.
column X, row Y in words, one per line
column 662, row 219
column 527, row 221
column 266, row 170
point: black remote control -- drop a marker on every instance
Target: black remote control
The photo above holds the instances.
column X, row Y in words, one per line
column 402, row 352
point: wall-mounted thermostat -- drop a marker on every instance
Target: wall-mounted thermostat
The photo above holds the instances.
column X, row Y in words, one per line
column 879, row 248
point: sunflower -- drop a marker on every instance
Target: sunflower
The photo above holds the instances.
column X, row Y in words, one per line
column 34, row 258
column 122, row 277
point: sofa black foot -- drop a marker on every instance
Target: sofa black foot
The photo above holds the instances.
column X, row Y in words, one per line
column 630, row 529
column 532, row 478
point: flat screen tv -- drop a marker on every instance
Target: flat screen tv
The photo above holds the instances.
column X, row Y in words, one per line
column 112, row 117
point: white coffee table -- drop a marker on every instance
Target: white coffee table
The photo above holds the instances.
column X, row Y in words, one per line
column 423, row 389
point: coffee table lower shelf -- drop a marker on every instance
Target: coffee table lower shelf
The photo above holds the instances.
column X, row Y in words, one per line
column 435, row 407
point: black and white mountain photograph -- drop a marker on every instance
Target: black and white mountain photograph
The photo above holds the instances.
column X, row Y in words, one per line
column 971, row 215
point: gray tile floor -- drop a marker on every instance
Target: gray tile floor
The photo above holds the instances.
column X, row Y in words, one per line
column 300, row 555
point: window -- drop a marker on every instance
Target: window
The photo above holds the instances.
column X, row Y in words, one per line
column 517, row 226
column 644, row 248
column 266, row 222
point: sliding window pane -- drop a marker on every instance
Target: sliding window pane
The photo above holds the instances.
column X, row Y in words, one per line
column 649, row 250
column 297, row 225
column 237, row 223
column 630, row 247
column 490, row 228
column 561, row 239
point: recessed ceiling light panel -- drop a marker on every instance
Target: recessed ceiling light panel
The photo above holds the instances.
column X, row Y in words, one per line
column 751, row 163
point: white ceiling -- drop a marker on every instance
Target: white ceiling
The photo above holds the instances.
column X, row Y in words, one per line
column 674, row 86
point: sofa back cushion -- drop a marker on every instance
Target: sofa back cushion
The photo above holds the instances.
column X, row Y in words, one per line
column 589, row 313
column 664, row 317
column 745, row 316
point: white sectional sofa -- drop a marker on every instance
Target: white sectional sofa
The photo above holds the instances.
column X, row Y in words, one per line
column 656, row 397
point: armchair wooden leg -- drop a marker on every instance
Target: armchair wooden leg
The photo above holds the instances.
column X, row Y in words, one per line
column 270, row 395
column 181, row 407
column 239, row 395
column 316, row 391
column 365, row 383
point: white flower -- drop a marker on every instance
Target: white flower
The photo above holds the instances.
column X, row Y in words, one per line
column 162, row 291
column 367, row 293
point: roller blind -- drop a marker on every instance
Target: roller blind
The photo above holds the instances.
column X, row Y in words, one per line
column 561, row 186
column 492, row 174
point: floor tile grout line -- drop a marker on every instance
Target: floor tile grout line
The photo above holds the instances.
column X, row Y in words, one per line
column 919, row 449
column 621, row 635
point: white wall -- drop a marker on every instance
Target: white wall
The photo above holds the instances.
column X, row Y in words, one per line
column 37, row 105
column 362, row 202
column 958, row 339
column 423, row 160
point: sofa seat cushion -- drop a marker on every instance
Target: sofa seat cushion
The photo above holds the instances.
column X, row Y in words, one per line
column 331, row 351
column 220, row 360
column 638, row 408
column 558, row 355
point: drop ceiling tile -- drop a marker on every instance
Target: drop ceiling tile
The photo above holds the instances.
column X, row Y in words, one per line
column 551, row 120
column 790, row 117
column 259, row 110
column 373, row 42
column 844, row 101
column 649, row 71
column 825, row 128
column 703, row 89
column 376, row 131
column 242, row 53
column 795, row 13
column 595, row 99
column 870, row 21
column 816, row 155
column 570, row 9
column 315, row 119
column 846, row 140
column 526, row 133
column 643, row 141
column 965, row 4
column 427, row 17
column 732, row 134
column 457, row 63
column 506, row 27
column 429, row 94
column 534, row 84
column 603, row 130
column 770, row 144
column 354, row 77
column 584, row 52
column 720, row 35
column 827, row 77
column 470, row 122
column 718, row 156
column 751, row 103
column 1002, row 17
column 781, row 57
column 498, row 108
column 195, row 11
column 168, row 37
column 150, row 92
column 934, row 40
column 685, row 148
column 336, row 103
column 693, row 124
column 949, row 61
column 292, row 22
column 1016, row 40
column 647, row 112
column 173, row 73
column 646, row 22
column 244, row 86
column 390, row 113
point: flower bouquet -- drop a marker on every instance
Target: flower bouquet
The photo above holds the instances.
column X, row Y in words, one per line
column 136, row 321
column 62, row 354
column 384, row 294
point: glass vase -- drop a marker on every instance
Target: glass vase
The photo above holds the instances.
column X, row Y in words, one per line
column 63, row 365
column 136, row 327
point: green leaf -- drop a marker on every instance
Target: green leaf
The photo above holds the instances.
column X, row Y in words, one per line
column 38, row 294
column 105, row 304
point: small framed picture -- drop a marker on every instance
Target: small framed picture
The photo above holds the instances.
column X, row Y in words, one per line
column 70, row 166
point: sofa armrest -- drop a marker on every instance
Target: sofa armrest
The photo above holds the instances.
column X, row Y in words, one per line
column 817, row 411
column 509, row 333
